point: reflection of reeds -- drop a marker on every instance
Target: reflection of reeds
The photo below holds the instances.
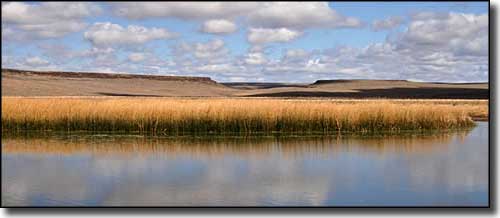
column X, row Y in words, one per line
column 182, row 116
column 206, row 146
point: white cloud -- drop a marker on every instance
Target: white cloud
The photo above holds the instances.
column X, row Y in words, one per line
column 386, row 24
column 263, row 35
column 46, row 12
column 136, row 57
column 211, row 49
column 294, row 15
column 462, row 34
column 183, row 10
column 257, row 48
column 201, row 56
column 255, row 58
column 219, row 27
column 237, row 79
column 433, row 47
column 299, row 15
column 46, row 19
column 48, row 30
column 57, row 52
column 216, row 68
column 296, row 53
column 109, row 34
column 96, row 51
column 36, row 62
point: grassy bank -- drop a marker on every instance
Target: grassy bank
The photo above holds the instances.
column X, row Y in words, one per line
column 187, row 116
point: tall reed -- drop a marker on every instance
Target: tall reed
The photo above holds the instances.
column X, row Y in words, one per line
column 188, row 116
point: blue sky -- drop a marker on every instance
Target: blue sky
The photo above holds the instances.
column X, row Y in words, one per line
column 288, row 42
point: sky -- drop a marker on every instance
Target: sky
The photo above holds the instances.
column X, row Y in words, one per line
column 252, row 41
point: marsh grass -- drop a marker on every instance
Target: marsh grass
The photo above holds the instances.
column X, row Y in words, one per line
column 198, row 116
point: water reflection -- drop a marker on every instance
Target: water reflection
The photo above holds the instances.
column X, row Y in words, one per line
column 412, row 169
column 217, row 146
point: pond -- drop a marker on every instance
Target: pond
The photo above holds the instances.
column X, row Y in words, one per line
column 434, row 169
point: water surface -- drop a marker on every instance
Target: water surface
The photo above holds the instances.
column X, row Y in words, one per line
column 438, row 169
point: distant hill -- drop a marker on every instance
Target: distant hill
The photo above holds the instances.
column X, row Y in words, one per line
column 107, row 75
column 323, row 82
column 35, row 83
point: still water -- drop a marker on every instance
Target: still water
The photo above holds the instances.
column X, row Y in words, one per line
column 438, row 169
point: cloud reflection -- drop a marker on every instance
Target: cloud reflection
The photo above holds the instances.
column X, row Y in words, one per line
column 419, row 169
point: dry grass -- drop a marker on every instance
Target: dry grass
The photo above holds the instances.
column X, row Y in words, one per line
column 198, row 116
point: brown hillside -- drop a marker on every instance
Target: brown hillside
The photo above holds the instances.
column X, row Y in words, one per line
column 33, row 83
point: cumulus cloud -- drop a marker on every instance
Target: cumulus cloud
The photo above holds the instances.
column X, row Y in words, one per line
column 46, row 12
column 58, row 52
column 432, row 47
column 435, row 47
column 296, row 54
column 448, row 47
column 263, row 35
column 36, row 62
column 220, row 26
column 211, row 49
column 96, row 51
column 216, row 68
column 190, row 56
column 109, row 34
column 46, row 19
column 386, row 24
column 183, row 10
column 28, row 63
column 47, row 30
column 299, row 15
column 136, row 57
column 462, row 34
column 105, row 58
column 294, row 15
column 255, row 58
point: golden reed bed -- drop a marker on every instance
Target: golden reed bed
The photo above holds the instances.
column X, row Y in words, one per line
column 188, row 116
